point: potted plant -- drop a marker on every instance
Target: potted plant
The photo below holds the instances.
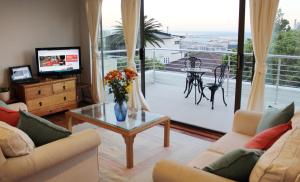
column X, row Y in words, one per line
column 4, row 94
column 119, row 83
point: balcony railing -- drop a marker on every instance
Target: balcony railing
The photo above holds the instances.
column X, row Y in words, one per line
column 283, row 71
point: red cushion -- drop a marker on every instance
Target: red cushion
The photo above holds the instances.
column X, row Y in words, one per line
column 266, row 138
column 9, row 116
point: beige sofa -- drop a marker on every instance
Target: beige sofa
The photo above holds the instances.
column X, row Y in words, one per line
column 244, row 127
column 74, row 158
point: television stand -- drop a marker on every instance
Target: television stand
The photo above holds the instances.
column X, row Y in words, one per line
column 48, row 96
column 56, row 77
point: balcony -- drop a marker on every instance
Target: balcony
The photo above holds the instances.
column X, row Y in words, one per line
column 165, row 84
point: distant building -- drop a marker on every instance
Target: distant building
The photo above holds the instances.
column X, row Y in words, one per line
column 213, row 45
column 208, row 60
column 171, row 42
column 296, row 25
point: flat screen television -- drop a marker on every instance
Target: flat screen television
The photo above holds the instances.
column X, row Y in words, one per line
column 58, row 61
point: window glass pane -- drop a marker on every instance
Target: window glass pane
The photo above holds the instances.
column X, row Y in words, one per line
column 115, row 56
column 194, row 28
column 283, row 75
column 283, row 63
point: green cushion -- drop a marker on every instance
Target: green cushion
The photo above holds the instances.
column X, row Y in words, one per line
column 40, row 130
column 273, row 116
column 236, row 165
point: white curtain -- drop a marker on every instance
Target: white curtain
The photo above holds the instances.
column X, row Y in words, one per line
column 262, row 17
column 130, row 19
column 93, row 13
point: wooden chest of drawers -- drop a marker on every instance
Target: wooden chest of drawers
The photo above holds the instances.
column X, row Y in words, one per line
column 47, row 97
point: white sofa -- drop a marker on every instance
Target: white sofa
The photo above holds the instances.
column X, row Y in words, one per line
column 244, row 127
column 71, row 159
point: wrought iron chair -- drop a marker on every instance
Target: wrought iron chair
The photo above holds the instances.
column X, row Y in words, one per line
column 191, row 62
column 219, row 74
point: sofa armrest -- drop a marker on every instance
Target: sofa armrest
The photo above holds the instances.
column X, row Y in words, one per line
column 18, row 106
column 246, row 122
column 49, row 155
column 173, row 172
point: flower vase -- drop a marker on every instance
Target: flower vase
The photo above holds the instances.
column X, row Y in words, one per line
column 121, row 111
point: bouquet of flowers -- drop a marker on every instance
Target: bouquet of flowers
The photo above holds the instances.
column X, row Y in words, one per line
column 119, row 83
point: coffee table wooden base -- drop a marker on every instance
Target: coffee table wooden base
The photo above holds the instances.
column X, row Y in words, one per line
column 127, row 135
column 129, row 140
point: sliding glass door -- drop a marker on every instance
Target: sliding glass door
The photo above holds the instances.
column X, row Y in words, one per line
column 283, row 63
column 171, row 32
column 175, row 31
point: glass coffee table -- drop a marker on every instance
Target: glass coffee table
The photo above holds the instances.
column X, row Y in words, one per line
column 103, row 115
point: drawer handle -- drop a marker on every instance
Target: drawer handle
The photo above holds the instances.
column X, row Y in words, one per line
column 64, row 87
column 65, row 98
column 39, row 92
column 40, row 103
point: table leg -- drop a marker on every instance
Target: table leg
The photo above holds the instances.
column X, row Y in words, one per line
column 167, row 133
column 202, row 90
column 195, row 92
column 190, row 87
column 129, row 140
column 68, row 121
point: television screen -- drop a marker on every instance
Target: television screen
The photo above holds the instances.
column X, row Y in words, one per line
column 58, row 61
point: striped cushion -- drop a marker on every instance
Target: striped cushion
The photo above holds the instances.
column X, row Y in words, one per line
column 281, row 162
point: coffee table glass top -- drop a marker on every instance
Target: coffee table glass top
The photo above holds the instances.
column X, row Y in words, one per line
column 105, row 113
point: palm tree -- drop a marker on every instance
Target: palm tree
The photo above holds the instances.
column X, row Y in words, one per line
column 152, row 29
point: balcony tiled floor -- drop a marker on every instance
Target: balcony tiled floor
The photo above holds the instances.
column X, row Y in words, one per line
column 170, row 100
column 165, row 96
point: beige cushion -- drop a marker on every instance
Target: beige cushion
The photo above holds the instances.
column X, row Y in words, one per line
column 281, row 162
column 296, row 120
column 204, row 159
column 229, row 142
column 14, row 142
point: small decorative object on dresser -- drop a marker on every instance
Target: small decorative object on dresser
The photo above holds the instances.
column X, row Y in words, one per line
column 48, row 96
column 120, row 84
column 4, row 94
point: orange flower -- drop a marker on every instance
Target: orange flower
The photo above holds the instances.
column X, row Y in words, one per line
column 115, row 74
column 130, row 74
column 120, row 83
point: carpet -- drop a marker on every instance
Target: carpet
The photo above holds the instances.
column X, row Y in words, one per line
column 148, row 149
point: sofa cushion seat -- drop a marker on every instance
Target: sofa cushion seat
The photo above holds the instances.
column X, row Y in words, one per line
column 203, row 159
column 281, row 162
column 229, row 142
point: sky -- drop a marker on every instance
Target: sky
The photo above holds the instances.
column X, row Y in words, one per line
column 195, row 15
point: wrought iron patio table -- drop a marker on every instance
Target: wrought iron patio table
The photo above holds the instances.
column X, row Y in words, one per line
column 196, row 80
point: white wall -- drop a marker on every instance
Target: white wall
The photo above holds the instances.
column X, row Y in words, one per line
column 27, row 24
